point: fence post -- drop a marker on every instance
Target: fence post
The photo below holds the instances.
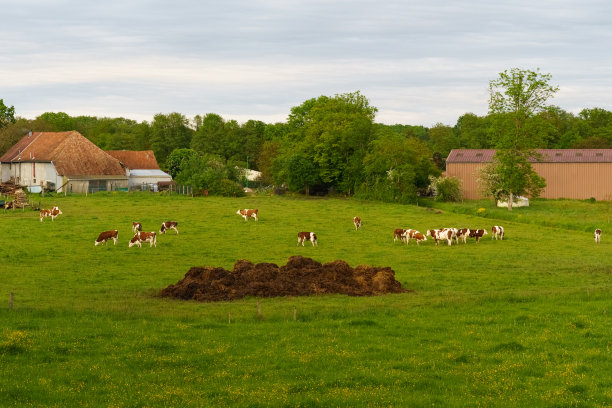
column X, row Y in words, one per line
column 259, row 310
column 294, row 313
column 229, row 317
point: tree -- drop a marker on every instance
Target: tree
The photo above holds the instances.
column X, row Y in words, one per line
column 169, row 132
column 7, row 114
column 515, row 97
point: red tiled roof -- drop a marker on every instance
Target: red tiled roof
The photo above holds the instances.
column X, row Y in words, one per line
column 144, row 159
column 71, row 153
column 548, row 156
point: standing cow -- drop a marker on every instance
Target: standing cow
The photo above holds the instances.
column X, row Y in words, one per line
column 307, row 236
column 167, row 226
column 357, row 222
column 597, row 236
column 136, row 227
column 398, row 233
column 477, row 234
column 105, row 236
column 53, row 212
column 248, row 213
column 497, row 231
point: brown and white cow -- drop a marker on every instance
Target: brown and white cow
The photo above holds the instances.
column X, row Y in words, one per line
column 413, row 234
column 53, row 212
column 167, row 226
column 398, row 233
column 357, row 222
column 477, row 234
column 497, row 231
column 463, row 233
column 442, row 233
column 307, row 236
column 141, row 237
column 248, row 213
column 105, row 236
column 136, row 227
column 597, row 236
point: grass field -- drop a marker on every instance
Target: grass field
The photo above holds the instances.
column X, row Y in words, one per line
column 519, row 322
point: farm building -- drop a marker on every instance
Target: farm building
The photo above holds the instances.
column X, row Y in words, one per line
column 142, row 169
column 569, row 173
column 61, row 161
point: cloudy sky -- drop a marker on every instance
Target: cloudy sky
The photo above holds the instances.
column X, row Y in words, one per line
column 418, row 62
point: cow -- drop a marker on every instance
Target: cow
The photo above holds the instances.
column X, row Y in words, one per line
column 477, row 234
column 105, row 236
column 497, row 231
column 463, row 233
column 136, row 227
column 597, row 236
column 248, row 213
column 169, row 225
column 53, row 212
column 307, row 236
column 141, row 237
column 413, row 234
column 442, row 233
column 398, row 233
column 357, row 222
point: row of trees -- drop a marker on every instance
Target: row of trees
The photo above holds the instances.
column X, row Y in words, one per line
column 334, row 142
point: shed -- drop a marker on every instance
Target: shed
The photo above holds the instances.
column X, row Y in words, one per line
column 147, row 179
column 142, row 169
column 569, row 173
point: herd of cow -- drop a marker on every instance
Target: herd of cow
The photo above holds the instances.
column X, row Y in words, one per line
column 403, row 235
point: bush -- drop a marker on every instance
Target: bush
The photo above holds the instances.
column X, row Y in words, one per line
column 229, row 188
column 446, row 188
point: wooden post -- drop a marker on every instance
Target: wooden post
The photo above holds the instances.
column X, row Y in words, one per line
column 229, row 317
column 259, row 310
column 294, row 313
column 11, row 300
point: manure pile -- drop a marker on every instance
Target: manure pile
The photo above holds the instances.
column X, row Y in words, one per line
column 300, row 276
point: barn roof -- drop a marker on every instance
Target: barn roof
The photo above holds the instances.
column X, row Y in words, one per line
column 143, row 159
column 71, row 153
column 548, row 156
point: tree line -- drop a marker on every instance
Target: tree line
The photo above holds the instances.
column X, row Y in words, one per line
column 328, row 143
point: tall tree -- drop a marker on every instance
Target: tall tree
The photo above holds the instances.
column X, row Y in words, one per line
column 169, row 132
column 7, row 114
column 515, row 97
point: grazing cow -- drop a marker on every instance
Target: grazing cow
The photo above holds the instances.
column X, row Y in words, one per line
column 597, row 236
column 357, row 222
column 398, row 234
column 246, row 213
column 168, row 225
column 105, row 236
column 413, row 234
column 53, row 212
column 136, row 227
column 141, row 237
column 307, row 236
column 463, row 233
column 497, row 231
column 477, row 234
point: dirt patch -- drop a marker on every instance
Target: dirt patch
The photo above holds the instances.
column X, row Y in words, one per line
column 300, row 276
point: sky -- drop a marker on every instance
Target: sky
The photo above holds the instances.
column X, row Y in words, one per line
column 417, row 62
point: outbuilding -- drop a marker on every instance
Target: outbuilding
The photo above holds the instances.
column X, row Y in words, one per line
column 142, row 169
column 569, row 173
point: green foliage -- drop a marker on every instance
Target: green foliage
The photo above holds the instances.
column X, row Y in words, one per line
column 178, row 159
column 446, row 188
column 7, row 114
column 207, row 172
column 169, row 132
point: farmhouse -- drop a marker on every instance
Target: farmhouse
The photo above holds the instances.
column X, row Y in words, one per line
column 142, row 169
column 569, row 173
column 61, row 161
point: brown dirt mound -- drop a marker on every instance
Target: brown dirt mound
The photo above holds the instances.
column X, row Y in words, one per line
column 301, row 276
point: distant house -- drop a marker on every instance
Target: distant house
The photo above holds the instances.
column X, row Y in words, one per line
column 61, row 161
column 569, row 173
column 142, row 169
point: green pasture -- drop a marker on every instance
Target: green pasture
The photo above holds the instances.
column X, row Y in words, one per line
column 519, row 322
